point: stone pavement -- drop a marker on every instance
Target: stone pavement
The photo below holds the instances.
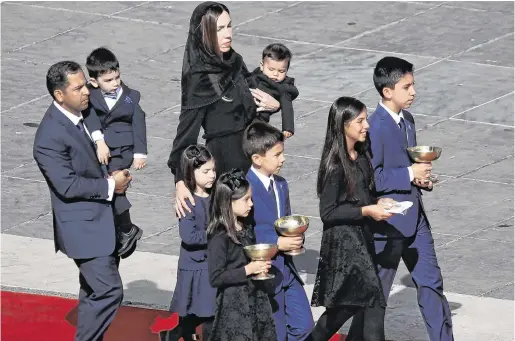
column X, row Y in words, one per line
column 463, row 55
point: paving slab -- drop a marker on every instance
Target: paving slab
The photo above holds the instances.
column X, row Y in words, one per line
column 467, row 146
column 464, row 33
column 452, row 207
column 348, row 22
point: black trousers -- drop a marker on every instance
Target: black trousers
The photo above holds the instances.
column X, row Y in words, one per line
column 334, row 318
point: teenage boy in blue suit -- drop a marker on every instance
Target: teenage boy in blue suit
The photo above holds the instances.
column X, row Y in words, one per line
column 392, row 130
column 264, row 145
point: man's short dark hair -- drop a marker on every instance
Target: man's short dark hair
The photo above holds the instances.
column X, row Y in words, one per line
column 260, row 137
column 389, row 71
column 277, row 52
column 101, row 61
column 57, row 75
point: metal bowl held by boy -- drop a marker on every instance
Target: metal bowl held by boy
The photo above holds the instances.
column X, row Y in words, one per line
column 261, row 252
column 292, row 226
column 424, row 153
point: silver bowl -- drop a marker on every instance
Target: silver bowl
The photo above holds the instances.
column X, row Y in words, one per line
column 292, row 226
column 424, row 153
column 262, row 252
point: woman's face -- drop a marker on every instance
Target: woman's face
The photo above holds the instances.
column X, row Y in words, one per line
column 356, row 130
column 224, row 32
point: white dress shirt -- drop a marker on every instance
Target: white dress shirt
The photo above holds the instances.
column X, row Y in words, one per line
column 110, row 104
column 75, row 120
column 397, row 118
column 266, row 182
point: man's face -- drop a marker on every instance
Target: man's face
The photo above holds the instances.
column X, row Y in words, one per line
column 75, row 96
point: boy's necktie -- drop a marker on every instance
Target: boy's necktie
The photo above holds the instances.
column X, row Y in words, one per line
column 111, row 95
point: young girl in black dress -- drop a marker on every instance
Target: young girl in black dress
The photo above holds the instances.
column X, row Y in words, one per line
column 347, row 280
column 243, row 310
column 194, row 299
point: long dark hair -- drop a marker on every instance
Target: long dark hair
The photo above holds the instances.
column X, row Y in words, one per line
column 230, row 186
column 192, row 158
column 208, row 27
column 335, row 154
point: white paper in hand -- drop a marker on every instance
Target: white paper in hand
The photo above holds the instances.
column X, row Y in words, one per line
column 400, row 207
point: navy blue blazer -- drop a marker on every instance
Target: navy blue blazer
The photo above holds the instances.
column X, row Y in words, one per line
column 193, row 233
column 83, row 218
column 263, row 217
column 123, row 125
column 390, row 160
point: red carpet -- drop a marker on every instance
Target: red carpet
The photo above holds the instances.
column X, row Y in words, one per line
column 48, row 318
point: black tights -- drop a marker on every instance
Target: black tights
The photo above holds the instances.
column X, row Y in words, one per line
column 186, row 328
column 334, row 318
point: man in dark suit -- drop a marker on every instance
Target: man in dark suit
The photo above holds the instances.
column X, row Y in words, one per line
column 80, row 193
column 392, row 130
column 264, row 145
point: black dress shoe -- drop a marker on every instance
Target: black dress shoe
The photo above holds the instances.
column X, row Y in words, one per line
column 127, row 241
column 170, row 335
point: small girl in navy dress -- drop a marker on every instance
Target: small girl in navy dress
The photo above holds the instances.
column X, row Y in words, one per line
column 194, row 299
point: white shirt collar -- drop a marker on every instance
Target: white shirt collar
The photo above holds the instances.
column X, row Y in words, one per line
column 74, row 118
column 263, row 178
column 396, row 117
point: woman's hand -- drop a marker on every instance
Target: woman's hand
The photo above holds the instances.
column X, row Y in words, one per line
column 386, row 202
column 181, row 194
column 264, row 101
column 376, row 212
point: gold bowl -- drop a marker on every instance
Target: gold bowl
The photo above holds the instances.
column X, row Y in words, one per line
column 424, row 153
column 292, row 226
column 261, row 252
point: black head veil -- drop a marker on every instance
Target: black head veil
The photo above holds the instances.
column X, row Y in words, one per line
column 205, row 76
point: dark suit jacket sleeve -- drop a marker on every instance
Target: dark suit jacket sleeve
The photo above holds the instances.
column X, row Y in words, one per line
column 219, row 275
column 288, row 116
column 332, row 211
column 188, row 130
column 91, row 119
column 189, row 231
column 386, row 179
column 55, row 163
column 139, row 126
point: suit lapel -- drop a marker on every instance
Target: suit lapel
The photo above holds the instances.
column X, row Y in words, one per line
column 121, row 100
column 392, row 126
column 260, row 190
column 75, row 132
column 95, row 96
column 280, row 194
column 411, row 133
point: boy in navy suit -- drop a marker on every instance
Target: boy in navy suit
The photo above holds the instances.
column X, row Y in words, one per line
column 264, row 145
column 392, row 130
column 114, row 110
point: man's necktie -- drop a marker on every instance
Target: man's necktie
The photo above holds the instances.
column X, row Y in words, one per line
column 88, row 140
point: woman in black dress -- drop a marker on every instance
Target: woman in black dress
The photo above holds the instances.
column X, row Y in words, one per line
column 215, row 96
column 243, row 309
column 347, row 280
